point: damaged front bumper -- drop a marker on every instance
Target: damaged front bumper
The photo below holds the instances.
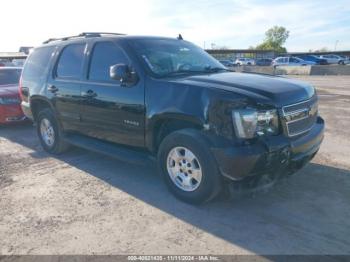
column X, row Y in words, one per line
column 274, row 155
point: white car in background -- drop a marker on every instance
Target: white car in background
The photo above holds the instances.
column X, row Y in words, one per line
column 244, row 61
column 291, row 61
column 335, row 59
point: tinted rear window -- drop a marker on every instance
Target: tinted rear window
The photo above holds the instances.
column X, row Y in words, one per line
column 37, row 63
column 9, row 76
column 70, row 63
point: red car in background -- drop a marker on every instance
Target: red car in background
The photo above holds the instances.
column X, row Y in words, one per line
column 10, row 108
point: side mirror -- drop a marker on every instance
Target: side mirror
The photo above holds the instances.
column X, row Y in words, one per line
column 124, row 74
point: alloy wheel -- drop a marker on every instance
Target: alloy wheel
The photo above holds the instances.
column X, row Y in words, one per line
column 184, row 169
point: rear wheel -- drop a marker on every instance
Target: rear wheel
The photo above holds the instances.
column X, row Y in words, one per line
column 188, row 167
column 49, row 132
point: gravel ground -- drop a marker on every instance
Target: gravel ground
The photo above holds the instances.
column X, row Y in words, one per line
column 86, row 203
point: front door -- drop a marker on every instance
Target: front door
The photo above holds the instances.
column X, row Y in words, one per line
column 110, row 111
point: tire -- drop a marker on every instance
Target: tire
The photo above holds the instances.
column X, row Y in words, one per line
column 341, row 63
column 49, row 132
column 199, row 188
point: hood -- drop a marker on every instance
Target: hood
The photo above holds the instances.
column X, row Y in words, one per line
column 9, row 90
column 273, row 90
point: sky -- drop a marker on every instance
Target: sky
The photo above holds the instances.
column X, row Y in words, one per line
column 313, row 24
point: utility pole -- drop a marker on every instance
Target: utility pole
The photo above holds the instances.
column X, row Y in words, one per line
column 335, row 45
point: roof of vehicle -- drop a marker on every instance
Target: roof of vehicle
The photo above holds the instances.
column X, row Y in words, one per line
column 89, row 35
column 314, row 56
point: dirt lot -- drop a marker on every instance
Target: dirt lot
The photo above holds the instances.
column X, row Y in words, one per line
column 85, row 203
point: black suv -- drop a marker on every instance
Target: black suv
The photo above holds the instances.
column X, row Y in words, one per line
column 139, row 97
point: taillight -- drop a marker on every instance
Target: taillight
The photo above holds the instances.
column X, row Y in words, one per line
column 23, row 91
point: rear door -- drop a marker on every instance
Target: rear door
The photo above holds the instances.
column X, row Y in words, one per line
column 110, row 111
column 64, row 85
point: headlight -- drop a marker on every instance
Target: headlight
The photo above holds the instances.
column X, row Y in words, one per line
column 9, row 100
column 249, row 123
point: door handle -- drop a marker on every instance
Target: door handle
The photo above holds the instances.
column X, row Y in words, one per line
column 52, row 89
column 89, row 94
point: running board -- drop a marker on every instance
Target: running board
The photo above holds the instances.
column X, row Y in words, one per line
column 120, row 152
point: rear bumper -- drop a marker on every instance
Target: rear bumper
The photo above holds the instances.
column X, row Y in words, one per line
column 270, row 155
column 11, row 114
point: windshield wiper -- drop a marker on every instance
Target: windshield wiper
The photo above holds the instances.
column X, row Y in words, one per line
column 216, row 69
column 184, row 72
column 204, row 71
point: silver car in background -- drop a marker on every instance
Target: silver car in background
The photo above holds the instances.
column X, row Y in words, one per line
column 244, row 61
column 291, row 61
column 335, row 59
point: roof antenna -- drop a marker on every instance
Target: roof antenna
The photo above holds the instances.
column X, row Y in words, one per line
column 180, row 37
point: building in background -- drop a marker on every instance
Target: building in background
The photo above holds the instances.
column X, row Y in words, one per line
column 12, row 58
column 25, row 49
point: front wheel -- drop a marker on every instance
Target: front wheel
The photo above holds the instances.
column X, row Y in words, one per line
column 188, row 167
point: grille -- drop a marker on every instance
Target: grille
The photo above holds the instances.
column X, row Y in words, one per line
column 300, row 117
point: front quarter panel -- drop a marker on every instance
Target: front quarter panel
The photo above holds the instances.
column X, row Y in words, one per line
column 206, row 109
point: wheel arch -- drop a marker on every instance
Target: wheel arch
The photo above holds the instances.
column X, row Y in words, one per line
column 39, row 103
column 165, row 125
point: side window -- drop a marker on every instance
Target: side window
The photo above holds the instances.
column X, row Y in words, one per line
column 37, row 62
column 71, row 61
column 293, row 60
column 104, row 55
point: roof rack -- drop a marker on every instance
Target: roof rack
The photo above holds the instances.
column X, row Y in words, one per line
column 84, row 34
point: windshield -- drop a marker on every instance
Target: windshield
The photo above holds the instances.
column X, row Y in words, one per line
column 9, row 76
column 167, row 57
column 296, row 59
